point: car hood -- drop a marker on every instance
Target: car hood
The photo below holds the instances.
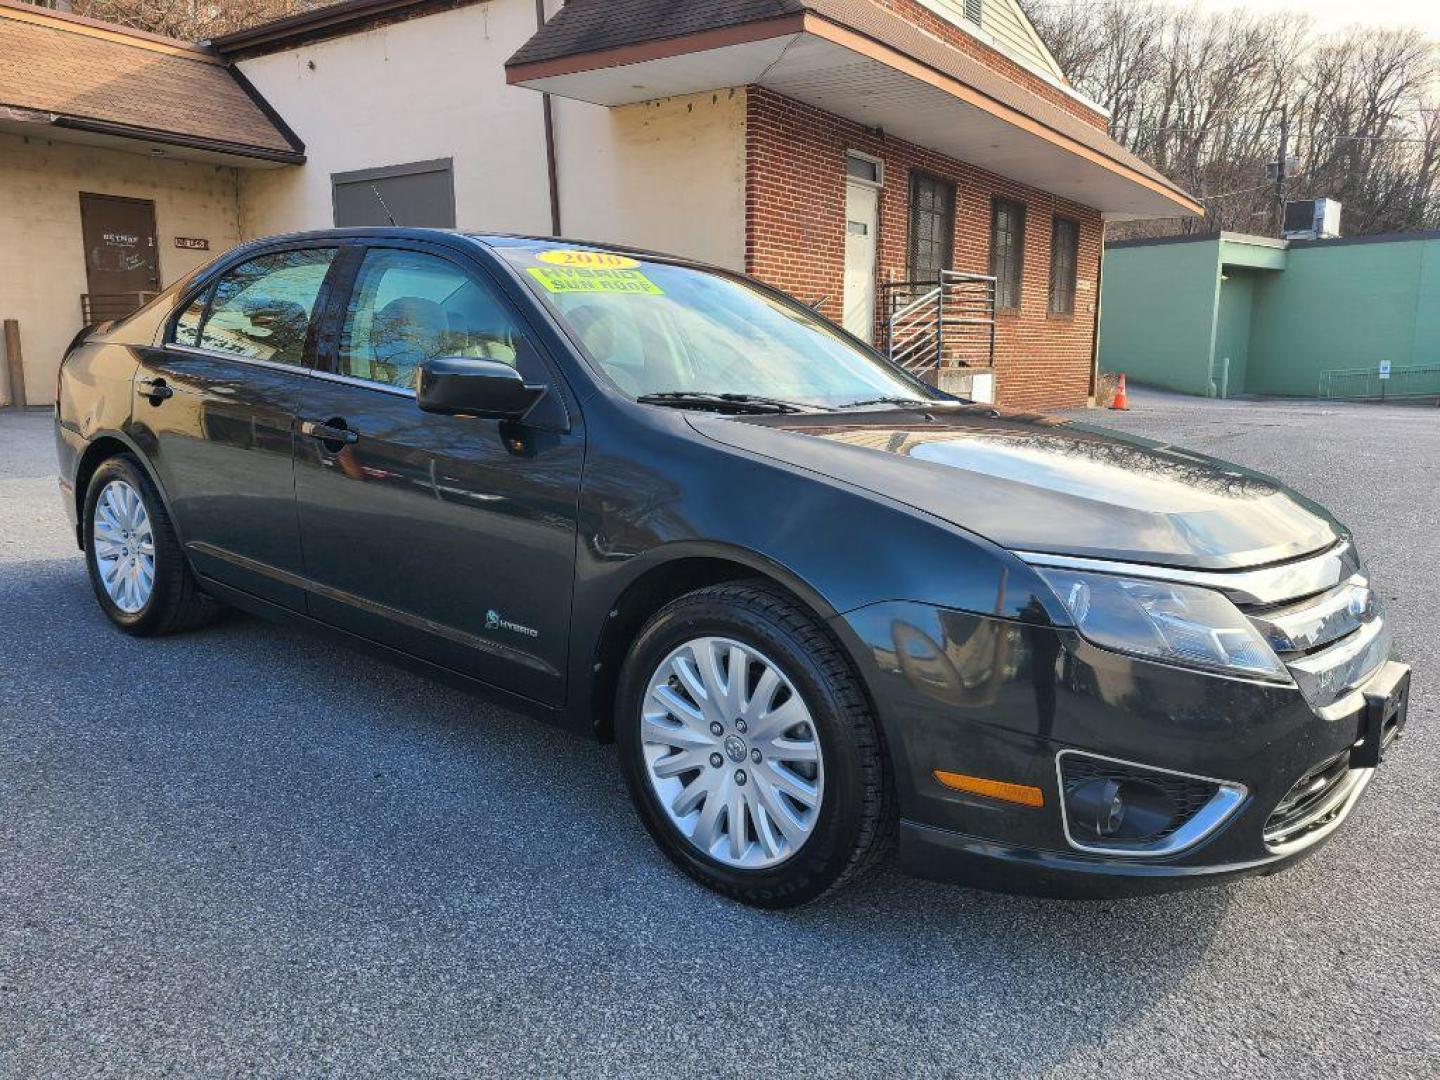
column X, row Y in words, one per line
column 1035, row 483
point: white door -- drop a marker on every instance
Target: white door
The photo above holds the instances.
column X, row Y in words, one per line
column 862, row 202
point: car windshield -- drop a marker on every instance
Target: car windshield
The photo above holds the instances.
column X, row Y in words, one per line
column 658, row 329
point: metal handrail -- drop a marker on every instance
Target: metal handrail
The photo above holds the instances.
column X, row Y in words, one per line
column 931, row 324
column 923, row 299
column 1359, row 384
column 102, row 307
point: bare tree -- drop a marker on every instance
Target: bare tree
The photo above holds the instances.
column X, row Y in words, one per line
column 1201, row 97
column 189, row 20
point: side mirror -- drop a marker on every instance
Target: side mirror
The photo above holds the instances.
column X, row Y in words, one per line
column 469, row 386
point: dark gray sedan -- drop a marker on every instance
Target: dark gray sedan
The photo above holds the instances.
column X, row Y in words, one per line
column 823, row 608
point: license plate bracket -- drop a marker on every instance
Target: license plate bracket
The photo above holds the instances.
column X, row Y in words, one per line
column 1387, row 700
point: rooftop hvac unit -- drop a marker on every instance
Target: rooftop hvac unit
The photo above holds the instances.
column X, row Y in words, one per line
column 1313, row 219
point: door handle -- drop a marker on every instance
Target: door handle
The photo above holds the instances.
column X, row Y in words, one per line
column 155, row 389
column 330, row 431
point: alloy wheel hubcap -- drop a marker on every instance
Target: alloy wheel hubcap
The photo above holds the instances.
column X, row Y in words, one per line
column 124, row 546
column 732, row 753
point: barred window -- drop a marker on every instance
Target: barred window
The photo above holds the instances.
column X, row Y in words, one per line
column 932, row 227
column 1064, row 251
column 1007, row 251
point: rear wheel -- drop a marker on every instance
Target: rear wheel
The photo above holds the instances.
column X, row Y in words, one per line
column 139, row 573
column 749, row 747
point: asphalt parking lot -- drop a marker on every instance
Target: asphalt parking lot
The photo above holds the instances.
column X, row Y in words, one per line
column 247, row 851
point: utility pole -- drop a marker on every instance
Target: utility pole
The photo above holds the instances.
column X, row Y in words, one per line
column 1280, row 169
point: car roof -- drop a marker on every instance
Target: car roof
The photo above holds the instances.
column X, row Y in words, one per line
column 486, row 239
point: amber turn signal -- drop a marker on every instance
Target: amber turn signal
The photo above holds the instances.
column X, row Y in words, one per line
column 1023, row 794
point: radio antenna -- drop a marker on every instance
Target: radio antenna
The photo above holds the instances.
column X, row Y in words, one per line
column 388, row 214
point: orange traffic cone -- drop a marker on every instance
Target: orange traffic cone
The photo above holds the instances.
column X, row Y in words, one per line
column 1120, row 401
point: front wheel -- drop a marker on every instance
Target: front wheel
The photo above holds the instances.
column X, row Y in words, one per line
column 749, row 747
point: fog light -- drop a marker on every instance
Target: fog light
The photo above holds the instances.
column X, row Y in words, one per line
column 1116, row 807
column 1110, row 809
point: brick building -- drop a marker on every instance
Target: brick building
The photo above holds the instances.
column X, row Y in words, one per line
column 920, row 170
column 886, row 143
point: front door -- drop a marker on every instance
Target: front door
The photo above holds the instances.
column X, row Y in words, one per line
column 862, row 203
column 122, row 262
column 215, row 409
column 449, row 538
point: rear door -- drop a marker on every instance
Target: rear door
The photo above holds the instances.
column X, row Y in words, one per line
column 450, row 538
column 215, row 408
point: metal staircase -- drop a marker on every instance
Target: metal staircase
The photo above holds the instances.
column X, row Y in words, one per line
column 931, row 325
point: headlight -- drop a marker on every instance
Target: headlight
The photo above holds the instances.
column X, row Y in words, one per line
column 1181, row 624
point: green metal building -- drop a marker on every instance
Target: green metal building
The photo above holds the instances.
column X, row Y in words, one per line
column 1236, row 314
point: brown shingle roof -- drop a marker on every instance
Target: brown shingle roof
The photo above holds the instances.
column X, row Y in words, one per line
column 583, row 26
column 589, row 26
column 86, row 74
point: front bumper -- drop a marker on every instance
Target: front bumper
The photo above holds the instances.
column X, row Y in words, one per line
column 994, row 698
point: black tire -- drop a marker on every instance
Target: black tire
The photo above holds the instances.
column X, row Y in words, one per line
column 855, row 829
column 175, row 603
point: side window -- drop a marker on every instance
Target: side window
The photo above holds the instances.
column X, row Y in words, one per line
column 261, row 309
column 408, row 307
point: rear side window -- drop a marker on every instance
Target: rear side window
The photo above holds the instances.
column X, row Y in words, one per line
column 408, row 307
column 261, row 309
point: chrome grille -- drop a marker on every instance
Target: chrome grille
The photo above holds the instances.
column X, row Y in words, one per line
column 1308, row 805
column 1321, row 799
column 1331, row 632
column 1316, row 621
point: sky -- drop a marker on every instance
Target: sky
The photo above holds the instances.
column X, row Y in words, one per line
column 1338, row 14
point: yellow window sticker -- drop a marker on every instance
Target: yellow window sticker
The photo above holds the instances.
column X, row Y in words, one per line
column 575, row 279
column 589, row 260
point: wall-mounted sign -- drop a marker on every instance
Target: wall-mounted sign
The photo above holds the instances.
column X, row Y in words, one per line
column 193, row 243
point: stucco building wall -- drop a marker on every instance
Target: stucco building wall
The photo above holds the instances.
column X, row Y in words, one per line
column 417, row 90
column 1283, row 314
column 666, row 174
column 1158, row 318
column 42, row 255
column 1342, row 306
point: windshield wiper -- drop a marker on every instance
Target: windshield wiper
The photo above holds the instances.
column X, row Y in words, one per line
column 701, row 399
column 929, row 402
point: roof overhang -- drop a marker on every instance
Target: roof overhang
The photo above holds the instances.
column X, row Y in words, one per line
column 822, row 63
column 1252, row 252
column 56, row 127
